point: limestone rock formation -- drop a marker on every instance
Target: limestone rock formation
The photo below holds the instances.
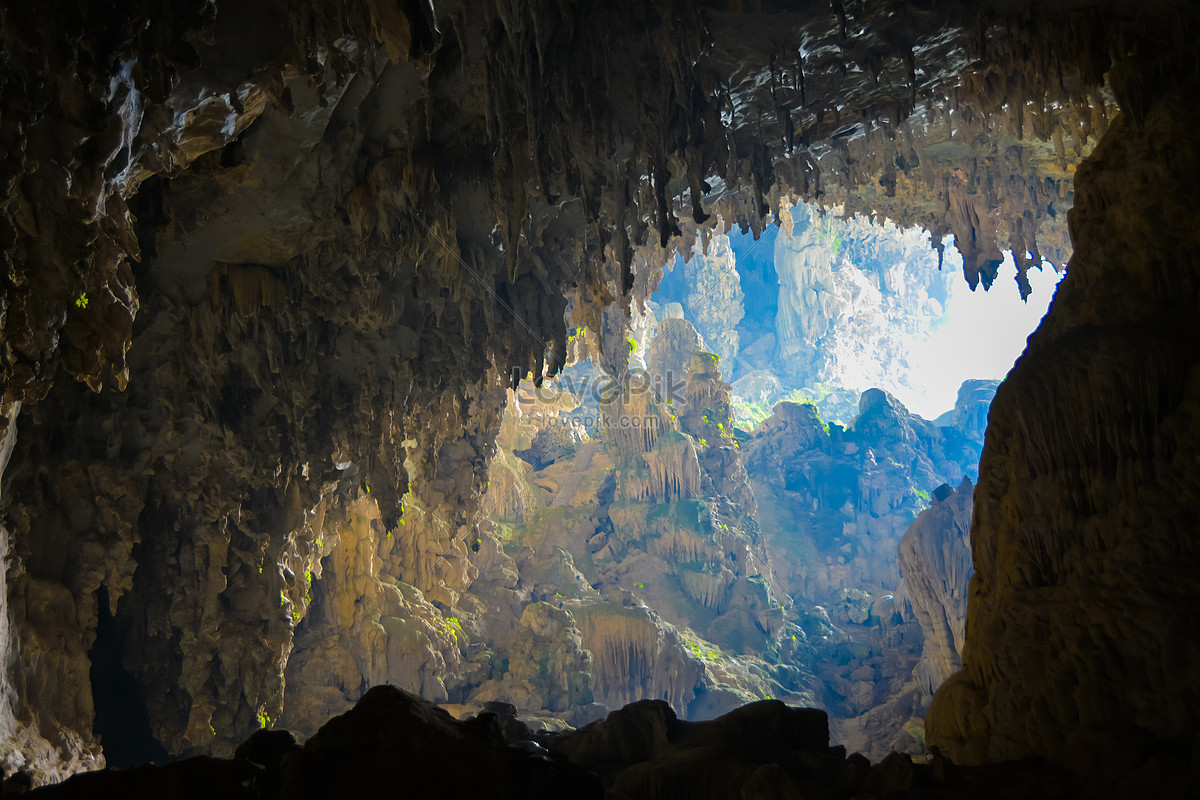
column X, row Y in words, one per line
column 548, row 667
column 836, row 501
column 866, row 661
column 707, row 416
column 833, row 507
column 637, row 655
column 358, row 624
column 840, row 305
column 852, row 295
column 1085, row 560
column 271, row 270
column 714, row 299
column 935, row 560
column 670, row 355
column 641, row 545
column 970, row 412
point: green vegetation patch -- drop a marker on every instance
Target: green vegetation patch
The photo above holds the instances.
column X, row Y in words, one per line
column 749, row 414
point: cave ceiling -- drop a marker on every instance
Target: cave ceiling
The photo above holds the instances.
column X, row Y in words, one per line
column 538, row 142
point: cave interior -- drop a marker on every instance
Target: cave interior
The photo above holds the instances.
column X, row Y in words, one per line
column 437, row 394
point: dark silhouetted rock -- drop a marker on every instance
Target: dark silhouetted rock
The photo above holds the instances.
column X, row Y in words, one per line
column 392, row 741
column 199, row 778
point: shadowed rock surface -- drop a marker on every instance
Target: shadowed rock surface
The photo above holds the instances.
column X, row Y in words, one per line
column 1084, row 575
column 393, row 743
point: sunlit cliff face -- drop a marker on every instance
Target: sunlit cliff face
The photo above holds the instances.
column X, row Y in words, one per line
column 270, row 271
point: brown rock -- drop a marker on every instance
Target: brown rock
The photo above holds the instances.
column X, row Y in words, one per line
column 340, row 228
column 935, row 559
column 1086, row 567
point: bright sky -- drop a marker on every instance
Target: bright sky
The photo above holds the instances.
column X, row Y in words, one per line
column 982, row 335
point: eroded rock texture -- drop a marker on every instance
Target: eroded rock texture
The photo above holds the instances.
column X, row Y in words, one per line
column 852, row 298
column 270, row 271
column 655, row 564
column 638, row 546
column 837, row 501
column 935, row 559
column 833, row 505
column 1086, row 561
column 713, row 298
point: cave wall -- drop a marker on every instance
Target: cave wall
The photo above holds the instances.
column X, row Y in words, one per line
column 268, row 271
column 1084, row 524
column 316, row 310
column 279, row 342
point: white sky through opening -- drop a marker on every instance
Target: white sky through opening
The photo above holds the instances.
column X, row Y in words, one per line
column 981, row 336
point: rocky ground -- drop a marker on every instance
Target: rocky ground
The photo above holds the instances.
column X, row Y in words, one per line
column 393, row 743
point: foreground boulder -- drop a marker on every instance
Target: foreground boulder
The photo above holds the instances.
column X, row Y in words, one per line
column 392, row 740
column 643, row 750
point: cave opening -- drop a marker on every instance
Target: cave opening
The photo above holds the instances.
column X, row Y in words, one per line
column 809, row 503
column 867, row 305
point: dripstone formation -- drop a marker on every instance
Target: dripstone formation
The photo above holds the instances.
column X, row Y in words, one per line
column 271, row 270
